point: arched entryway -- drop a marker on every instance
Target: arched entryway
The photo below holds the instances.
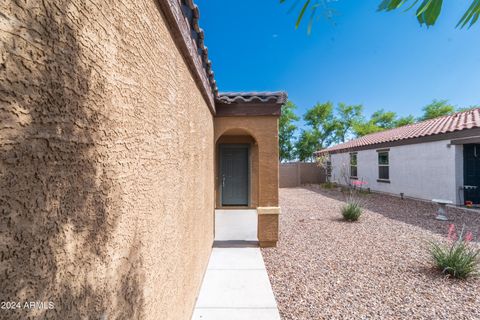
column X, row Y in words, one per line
column 236, row 176
column 246, row 165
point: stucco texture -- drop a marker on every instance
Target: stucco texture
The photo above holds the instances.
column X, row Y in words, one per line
column 262, row 134
column 264, row 131
column 431, row 170
column 106, row 163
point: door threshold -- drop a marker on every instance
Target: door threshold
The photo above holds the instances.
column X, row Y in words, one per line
column 235, row 244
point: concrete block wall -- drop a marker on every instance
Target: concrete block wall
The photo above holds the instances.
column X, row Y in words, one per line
column 295, row 174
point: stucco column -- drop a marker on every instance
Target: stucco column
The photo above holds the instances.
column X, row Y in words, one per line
column 268, row 210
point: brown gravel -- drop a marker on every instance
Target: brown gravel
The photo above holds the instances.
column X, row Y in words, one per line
column 376, row 268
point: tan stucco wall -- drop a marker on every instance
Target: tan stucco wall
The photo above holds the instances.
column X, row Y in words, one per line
column 264, row 129
column 106, row 163
column 253, row 188
column 264, row 174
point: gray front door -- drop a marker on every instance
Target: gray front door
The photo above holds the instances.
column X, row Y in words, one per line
column 234, row 174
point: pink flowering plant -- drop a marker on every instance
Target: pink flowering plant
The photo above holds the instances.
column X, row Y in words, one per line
column 459, row 257
column 359, row 183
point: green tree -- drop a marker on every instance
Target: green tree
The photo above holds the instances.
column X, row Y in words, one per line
column 321, row 132
column 403, row 121
column 436, row 109
column 427, row 11
column 363, row 128
column 384, row 119
column 320, row 118
column 347, row 116
column 306, row 145
column 379, row 121
column 286, row 131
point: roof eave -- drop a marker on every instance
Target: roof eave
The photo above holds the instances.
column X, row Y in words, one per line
column 192, row 49
column 458, row 134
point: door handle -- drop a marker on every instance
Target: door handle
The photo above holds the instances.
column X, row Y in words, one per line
column 223, row 181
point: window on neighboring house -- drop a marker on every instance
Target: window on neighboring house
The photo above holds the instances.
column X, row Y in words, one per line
column 329, row 168
column 353, row 165
column 383, row 165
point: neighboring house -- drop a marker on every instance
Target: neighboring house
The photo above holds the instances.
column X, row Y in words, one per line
column 437, row 158
column 115, row 151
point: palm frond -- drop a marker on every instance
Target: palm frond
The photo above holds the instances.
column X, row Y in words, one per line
column 471, row 15
column 427, row 13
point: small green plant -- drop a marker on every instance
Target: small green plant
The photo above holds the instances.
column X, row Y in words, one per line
column 458, row 257
column 328, row 185
column 352, row 210
column 363, row 192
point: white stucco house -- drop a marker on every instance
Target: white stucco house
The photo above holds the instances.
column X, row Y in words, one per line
column 433, row 159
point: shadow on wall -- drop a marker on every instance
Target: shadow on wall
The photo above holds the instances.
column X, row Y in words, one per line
column 59, row 204
column 414, row 212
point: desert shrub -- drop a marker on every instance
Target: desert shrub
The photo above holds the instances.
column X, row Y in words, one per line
column 345, row 190
column 361, row 192
column 458, row 257
column 328, row 185
column 352, row 211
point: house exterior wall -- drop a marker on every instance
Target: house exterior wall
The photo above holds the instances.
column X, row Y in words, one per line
column 106, row 163
column 253, row 162
column 424, row 170
column 264, row 175
column 265, row 132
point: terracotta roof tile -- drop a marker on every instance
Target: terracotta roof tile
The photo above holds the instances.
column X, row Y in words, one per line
column 235, row 97
column 192, row 15
column 456, row 122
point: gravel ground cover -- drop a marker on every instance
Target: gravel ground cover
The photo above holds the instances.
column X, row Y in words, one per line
column 376, row 268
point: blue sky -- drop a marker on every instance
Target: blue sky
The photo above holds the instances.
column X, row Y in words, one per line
column 361, row 56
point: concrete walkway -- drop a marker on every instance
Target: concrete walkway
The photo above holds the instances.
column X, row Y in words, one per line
column 236, row 225
column 236, row 287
